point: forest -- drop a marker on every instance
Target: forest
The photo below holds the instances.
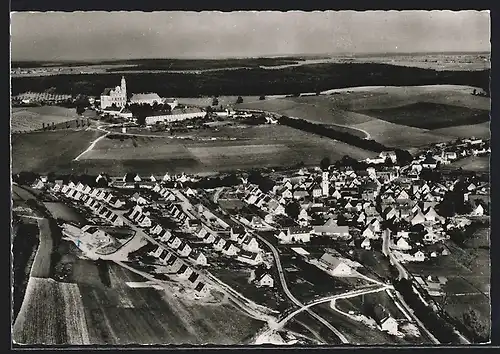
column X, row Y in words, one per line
column 254, row 81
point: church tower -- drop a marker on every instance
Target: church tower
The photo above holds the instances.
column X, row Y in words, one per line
column 325, row 184
column 124, row 88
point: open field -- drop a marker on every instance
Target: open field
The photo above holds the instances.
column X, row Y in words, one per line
column 49, row 151
column 269, row 145
column 443, row 105
column 31, row 118
column 481, row 130
column 428, row 115
column 52, row 313
column 60, row 210
column 473, row 163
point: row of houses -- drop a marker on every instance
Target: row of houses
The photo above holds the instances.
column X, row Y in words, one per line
column 175, row 266
column 79, row 190
column 96, row 205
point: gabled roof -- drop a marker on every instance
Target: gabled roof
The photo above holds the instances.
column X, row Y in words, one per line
column 144, row 96
column 193, row 277
column 107, row 91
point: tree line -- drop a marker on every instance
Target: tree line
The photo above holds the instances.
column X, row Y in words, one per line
column 291, row 80
column 323, row 130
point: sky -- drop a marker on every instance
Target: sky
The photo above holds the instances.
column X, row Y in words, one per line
column 52, row 36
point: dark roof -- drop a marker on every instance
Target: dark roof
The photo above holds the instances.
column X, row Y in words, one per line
column 107, row 91
column 200, row 286
column 163, row 254
column 249, row 255
column 182, row 269
column 193, row 277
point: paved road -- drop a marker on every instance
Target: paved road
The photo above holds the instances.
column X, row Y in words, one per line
column 290, row 295
column 254, row 310
column 386, row 250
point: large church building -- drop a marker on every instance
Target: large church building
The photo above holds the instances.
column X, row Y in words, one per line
column 117, row 95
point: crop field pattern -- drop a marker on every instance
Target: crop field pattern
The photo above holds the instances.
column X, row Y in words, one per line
column 44, row 152
column 31, row 118
column 404, row 117
column 256, row 146
column 430, row 115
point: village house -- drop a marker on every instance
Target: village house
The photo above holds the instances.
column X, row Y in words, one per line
column 230, row 249
column 116, row 203
column 250, row 244
column 198, row 257
column 261, row 277
column 137, row 198
column 249, row 257
column 401, row 244
column 193, row 278
column 219, row 243
column 144, row 221
column 164, row 235
column 184, row 249
column 201, row 289
column 418, row 256
column 478, row 210
column 330, row 228
column 175, row 242
column 366, row 244
column 335, row 265
column 116, row 220
column 209, row 238
column 300, row 234
column 155, row 229
column 184, row 272
column 369, row 233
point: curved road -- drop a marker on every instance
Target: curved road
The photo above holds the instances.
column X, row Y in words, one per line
column 290, row 295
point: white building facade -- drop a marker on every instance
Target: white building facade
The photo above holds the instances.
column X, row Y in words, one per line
column 117, row 96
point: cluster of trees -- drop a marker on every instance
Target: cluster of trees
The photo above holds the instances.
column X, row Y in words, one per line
column 141, row 111
column 255, row 120
column 306, row 78
column 23, row 246
column 441, row 329
column 331, row 133
column 265, row 183
column 453, row 201
column 78, row 123
column 28, row 178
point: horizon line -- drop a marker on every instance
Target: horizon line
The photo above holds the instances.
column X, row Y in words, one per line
column 268, row 56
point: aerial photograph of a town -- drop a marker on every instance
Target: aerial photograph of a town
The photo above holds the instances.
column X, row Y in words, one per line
column 250, row 178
